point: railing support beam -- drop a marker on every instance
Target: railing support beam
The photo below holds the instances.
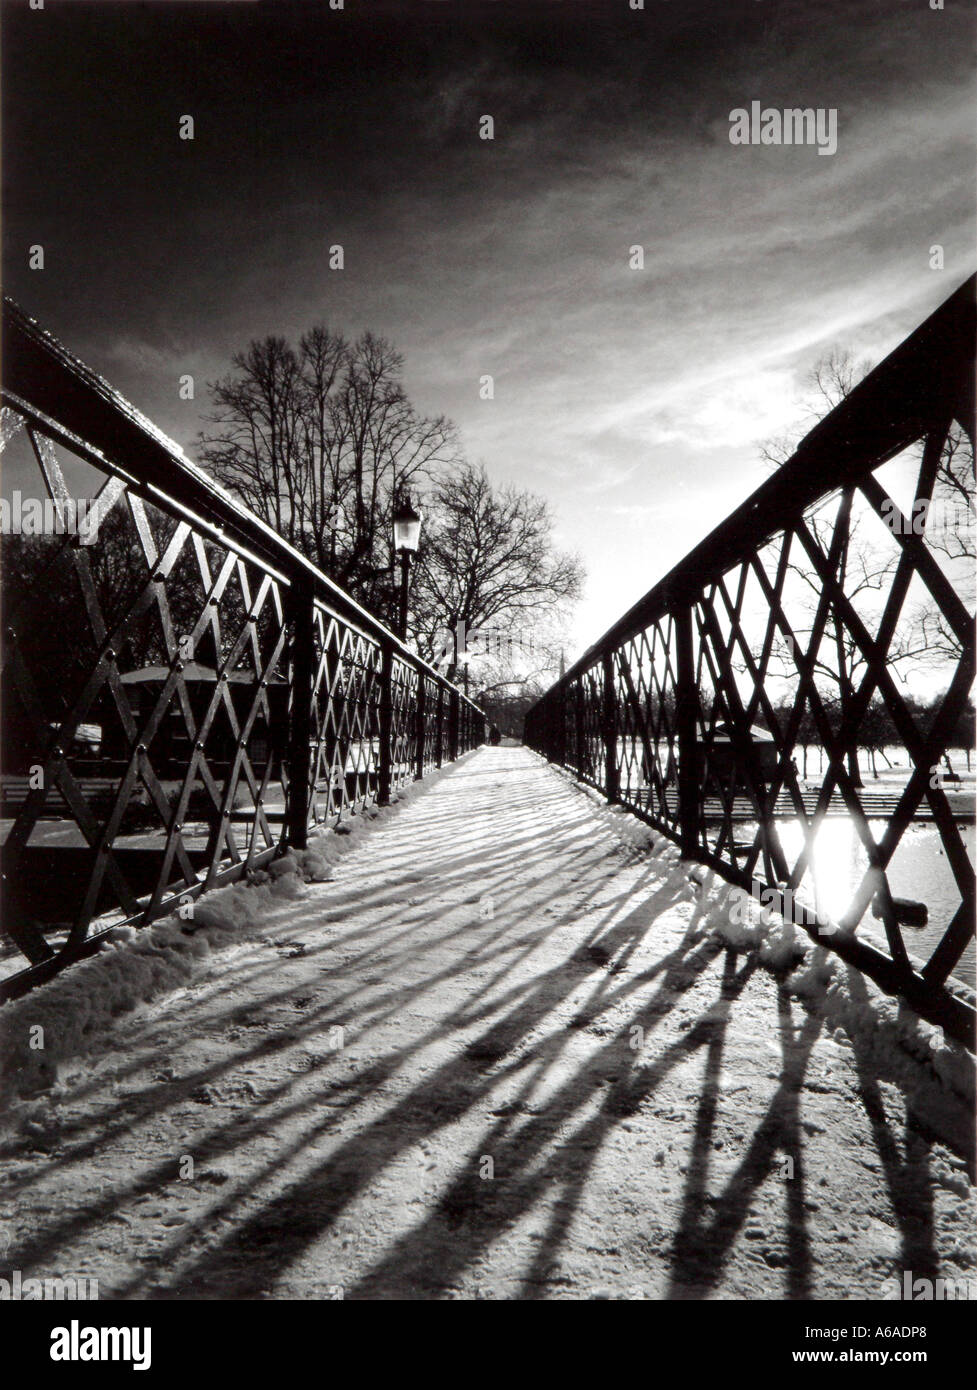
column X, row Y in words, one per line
column 609, row 725
column 453, row 722
column 582, row 763
column 302, row 663
column 420, row 737
column 686, row 712
column 439, row 728
column 384, row 776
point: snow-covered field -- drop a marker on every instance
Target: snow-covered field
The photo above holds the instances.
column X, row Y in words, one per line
column 494, row 1044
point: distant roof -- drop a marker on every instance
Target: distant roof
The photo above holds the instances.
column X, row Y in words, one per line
column 721, row 734
column 192, row 671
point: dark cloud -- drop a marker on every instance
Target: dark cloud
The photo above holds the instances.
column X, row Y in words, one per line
column 617, row 392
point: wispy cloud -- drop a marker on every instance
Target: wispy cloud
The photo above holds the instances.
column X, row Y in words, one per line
column 636, row 400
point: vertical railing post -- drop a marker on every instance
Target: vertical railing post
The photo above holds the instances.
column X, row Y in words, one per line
column 439, row 726
column 609, row 726
column 452, row 725
column 420, row 738
column 686, row 721
column 386, row 721
column 581, row 763
column 302, row 668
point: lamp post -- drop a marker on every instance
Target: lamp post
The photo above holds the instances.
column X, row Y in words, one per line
column 407, row 537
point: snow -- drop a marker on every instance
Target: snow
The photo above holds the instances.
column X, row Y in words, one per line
column 674, row 1101
column 135, row 966
column 937, row 1074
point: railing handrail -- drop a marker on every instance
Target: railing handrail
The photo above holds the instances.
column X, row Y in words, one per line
column 44, row 381
column 833, row 453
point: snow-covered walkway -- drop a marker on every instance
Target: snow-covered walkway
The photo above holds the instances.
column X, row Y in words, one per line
column 505, row 1053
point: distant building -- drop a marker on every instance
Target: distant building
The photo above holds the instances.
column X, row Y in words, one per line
column 721, row 758
column 171, row 745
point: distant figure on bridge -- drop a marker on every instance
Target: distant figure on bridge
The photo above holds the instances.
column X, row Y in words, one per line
column 495, row 737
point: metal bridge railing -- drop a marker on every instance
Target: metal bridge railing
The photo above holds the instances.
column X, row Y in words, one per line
column 789, row 626
column 183, row 694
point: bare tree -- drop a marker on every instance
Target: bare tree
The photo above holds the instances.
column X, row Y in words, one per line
column 318, row 441
column 488, row 560
column 831, row 380
column 859, row 568
column 951, row 531
column 924, row 636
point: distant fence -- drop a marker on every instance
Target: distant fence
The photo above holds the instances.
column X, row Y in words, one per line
column 807, row 588
column 183, row 694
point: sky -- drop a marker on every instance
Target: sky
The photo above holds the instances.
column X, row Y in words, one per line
column 635, row 399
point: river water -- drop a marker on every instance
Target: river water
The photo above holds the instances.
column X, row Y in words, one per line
column 919, row 870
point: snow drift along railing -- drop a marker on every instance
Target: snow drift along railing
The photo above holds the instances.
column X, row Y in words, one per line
column 183, row 694
column 785, row 628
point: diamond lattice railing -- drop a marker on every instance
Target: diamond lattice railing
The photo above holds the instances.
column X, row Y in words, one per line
column 135, row 743
column 403, row 732
column 182, row 693
column 346, row 699
column 803, row 629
